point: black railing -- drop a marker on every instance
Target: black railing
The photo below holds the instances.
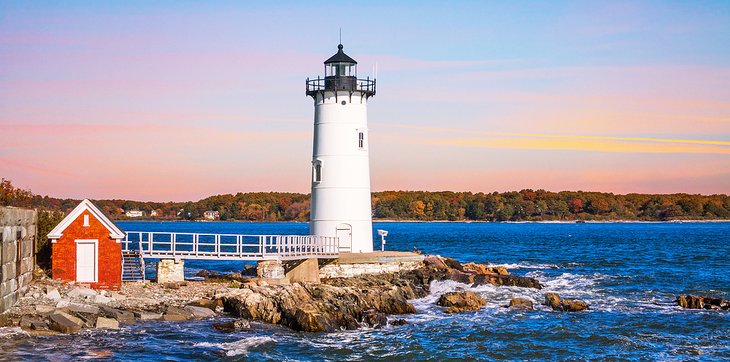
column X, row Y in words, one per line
column 348, row 84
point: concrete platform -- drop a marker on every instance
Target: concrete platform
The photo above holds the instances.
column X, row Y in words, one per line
column 354, row 264
column 378, row 257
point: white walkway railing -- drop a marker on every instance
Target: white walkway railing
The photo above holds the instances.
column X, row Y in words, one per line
column 169, row 245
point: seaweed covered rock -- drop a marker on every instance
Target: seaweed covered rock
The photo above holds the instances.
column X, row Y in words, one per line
column 703, row 302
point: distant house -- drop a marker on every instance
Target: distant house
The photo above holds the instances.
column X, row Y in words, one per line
column 134, row 213
column 87, row 249
column 153, row 213
column 211, row 215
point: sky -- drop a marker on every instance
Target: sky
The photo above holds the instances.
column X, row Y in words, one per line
column 176, row 101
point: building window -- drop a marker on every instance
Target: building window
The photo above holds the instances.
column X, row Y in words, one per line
column 86, row 220
column 317, row 171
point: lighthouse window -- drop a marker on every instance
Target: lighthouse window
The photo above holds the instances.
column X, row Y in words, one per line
column 340, row 69
column 361, row 142
column 317, row 172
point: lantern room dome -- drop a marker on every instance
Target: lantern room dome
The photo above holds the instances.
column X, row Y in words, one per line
column 340, row 57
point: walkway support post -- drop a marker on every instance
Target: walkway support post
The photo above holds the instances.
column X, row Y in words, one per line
column 170, row 270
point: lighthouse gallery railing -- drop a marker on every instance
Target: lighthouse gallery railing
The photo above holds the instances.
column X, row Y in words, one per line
column 169, row 245
column 367, row 86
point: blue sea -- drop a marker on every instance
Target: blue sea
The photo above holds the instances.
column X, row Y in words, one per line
column 629, row 273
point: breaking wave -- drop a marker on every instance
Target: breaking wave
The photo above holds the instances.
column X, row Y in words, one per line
column 526, row 265
column 239, row 347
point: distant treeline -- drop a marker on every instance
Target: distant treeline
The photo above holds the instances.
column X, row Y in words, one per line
column 525, row 205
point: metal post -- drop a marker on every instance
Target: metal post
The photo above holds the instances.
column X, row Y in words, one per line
column 218, row 245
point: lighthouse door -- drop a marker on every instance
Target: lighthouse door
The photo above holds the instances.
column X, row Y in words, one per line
column 344, row 234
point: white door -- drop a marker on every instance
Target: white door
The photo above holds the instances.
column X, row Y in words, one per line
column 344, row 233
column 86, row 261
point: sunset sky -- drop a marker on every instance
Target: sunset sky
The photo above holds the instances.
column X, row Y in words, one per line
column 173, row 101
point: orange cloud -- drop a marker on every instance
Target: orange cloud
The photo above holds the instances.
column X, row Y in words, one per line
column 570, row 142
column 629, row 145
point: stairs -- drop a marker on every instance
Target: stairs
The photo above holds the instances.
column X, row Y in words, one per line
column 132, row 266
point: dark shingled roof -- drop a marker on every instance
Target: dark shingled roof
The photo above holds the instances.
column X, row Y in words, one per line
column 340, row 57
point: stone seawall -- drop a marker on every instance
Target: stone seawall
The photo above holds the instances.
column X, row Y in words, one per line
column 17, row 249
column 350, row 265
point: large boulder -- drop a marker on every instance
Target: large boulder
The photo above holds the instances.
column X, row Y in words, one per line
column 374, row 318
column 552, row 300
column 102, row 299
column 703, row 302
column 465, row 301
column 175, row 314
column 107, row 323
column 148, row 316
column 200, row 312
column 485, row 269
column 83, row 308
column 435, row 261
column 567, row 305
column 573, row 305
column 211, row 304
column 32, row 323
column 81, row 292
column 232, row 326
column 123, row 316
column 521, row 303
column 44, row 309
column 64, row 322
column 53, row 294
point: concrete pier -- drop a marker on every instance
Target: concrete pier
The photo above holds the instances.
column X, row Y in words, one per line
column 170, row 270
column 295, row 271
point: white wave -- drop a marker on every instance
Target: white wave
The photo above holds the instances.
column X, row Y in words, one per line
column 569, row 283
column 12, row 332
column 239, row 347
column 496, row 297
column 526, row 265
column 586, row 287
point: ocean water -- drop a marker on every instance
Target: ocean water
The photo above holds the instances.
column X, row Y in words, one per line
column 629, row 273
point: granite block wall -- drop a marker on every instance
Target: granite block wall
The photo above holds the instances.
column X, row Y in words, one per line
column 17, row 247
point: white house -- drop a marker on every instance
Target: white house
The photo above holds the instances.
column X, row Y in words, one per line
column 134, row 213
column 211, row 215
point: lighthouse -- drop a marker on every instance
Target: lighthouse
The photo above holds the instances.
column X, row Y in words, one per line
column 340, row 204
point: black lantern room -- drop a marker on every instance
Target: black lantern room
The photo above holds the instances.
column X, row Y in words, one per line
column 340, row 65
column 340, row 74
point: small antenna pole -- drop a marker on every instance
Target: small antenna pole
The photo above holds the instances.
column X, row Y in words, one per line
column 340, row 35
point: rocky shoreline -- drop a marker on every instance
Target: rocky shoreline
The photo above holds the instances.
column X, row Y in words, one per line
column 50, row 306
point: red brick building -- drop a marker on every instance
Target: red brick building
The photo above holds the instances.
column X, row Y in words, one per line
column 87, row 248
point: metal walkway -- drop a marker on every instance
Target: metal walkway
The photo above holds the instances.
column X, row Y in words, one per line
column 173, row 245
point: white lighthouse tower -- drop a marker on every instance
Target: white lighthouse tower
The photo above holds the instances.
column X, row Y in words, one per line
column 340, row 162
